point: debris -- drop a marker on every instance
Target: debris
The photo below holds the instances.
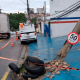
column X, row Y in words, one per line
column 45, row 59
column 64, row 63
column 53, row 73
column 58, row 72
column 65, row 66
column 29, row 78
column 67, row 69
column 18, row 75
column 62, row 68
column 48, row 67
column 35, row 57
column 56, row 63
column 47, row 62
column 56, row 69
column 48, row 76
column 51, row 77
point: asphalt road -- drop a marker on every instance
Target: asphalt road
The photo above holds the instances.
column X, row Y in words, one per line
column 8, row 52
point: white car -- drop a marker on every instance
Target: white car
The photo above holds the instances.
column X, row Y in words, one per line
column 27, row 33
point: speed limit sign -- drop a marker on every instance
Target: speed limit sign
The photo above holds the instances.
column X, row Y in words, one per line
column 73, row 38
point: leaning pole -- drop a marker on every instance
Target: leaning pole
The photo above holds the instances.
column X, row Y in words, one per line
column 66, row 47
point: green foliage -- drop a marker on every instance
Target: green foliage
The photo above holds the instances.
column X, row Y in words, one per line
column 22, row 70
column 23, row 57
column 12, row 29
column 49, row 23
column 33, row 20
column 15, row 19
column 20, row 65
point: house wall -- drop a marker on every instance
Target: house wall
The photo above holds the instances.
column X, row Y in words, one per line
column 63, row 25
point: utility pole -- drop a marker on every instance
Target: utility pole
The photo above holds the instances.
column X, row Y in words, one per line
column 28, row 10
column 0, row 10
column 44, row 12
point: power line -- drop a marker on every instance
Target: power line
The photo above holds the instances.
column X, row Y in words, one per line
column 23, row 2
column 67, row 8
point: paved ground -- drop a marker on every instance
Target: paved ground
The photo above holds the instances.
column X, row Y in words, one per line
column 49, row 48
column 8, row 52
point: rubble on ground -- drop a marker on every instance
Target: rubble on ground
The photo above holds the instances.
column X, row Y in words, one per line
column 55, row 70
column 51, row 68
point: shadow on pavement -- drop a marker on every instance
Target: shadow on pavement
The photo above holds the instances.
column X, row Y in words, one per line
column 27, row 43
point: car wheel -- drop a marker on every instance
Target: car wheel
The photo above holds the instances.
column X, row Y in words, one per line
column 22, row 42
column 8, row 37
column 14, row 67
column 35, row 40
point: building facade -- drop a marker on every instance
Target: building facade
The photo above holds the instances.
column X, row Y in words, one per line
column 31, row 10
column 40, row 10
column 64, row 17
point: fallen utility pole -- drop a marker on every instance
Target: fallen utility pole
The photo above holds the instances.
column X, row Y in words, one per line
column 66, row 48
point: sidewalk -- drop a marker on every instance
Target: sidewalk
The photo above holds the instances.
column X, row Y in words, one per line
column 48, row 48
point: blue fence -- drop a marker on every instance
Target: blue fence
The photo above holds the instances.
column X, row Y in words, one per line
column 47, row 29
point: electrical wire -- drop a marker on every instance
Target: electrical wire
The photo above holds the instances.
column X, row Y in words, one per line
column 23, row 2
column 70, row 6
column 69, row 11
column 66, row 8
column 15, row 7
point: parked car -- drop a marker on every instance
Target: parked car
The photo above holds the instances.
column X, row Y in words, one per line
column 27, row 32
column 12, row 33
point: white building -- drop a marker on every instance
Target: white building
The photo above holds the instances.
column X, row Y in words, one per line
column 40, row 10
column 31, row 10
column 64, row 16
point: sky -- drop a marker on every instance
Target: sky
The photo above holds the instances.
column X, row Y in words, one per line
column 14, row 6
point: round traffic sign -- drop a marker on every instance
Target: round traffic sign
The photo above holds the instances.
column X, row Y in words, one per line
column 73, row 38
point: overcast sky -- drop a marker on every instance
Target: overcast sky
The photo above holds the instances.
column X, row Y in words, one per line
column 12, row 6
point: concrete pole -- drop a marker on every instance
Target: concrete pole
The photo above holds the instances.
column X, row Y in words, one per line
column 44, row 12
column 0, row 11
column 28, row 10
column 66, row 48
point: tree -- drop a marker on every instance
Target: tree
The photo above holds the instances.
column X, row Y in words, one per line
column 15, row 19
column 33, row 20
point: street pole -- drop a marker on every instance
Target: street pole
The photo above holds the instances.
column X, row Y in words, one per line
column 66, row 48
column 28, row 10
column 0, row 11
column 44, row 12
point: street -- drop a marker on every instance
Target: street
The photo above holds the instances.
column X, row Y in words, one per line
column 9, row 52
column 44, row 48
column 39, row 40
